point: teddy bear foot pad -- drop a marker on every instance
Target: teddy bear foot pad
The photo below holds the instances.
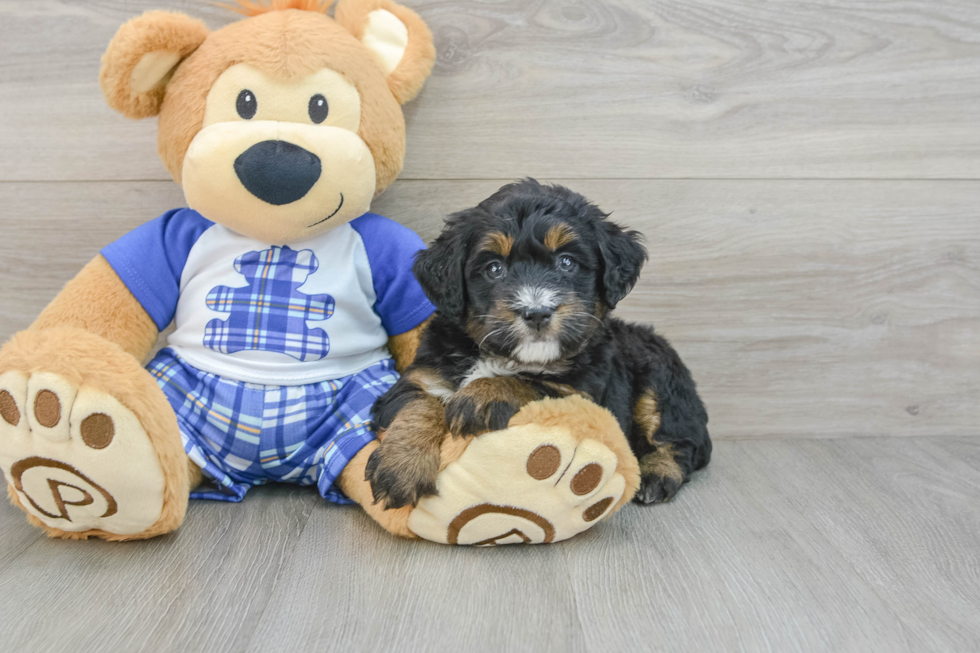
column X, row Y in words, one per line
column 523, row 485
column 76, row 459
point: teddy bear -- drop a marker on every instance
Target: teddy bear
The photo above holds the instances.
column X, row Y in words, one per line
column 294, row 306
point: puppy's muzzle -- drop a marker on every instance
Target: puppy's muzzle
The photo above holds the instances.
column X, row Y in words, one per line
column 278, row 172
column 537, row 318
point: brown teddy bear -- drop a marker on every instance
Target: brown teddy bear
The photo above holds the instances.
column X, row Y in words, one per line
column 294, row 306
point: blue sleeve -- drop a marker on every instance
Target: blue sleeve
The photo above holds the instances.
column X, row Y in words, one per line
column 391, row 247
column 151, row 258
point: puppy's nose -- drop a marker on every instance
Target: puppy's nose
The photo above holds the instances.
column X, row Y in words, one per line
column 278, row 172
column 537, row 318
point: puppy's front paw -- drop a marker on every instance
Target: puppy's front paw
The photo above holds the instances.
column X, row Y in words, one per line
column 467, row 415
column 487, row 404
column 401, row 473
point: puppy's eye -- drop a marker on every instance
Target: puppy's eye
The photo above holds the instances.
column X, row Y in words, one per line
column 246, row 104
column 494, row 270
column 565, row 263
column 318, row 109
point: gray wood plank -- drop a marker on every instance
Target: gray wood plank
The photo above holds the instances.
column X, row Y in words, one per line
column 16, row 535
column 903, row 515
column 813, row 545
column 844, row 545
column 965, row 450
column 804, row 308
column 201, row 588
column 372, row 592
column 603, row 88
column 718, row 569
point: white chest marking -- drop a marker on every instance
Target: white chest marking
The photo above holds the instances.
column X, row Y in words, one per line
column 488, row 368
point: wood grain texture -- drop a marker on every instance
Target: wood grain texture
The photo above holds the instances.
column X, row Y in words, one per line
column 578, row 88
column 844, row 545
column 893, row 518
column 797, row 546
column 375, row 593
column 804, row 308
column 16, row 535
column 198, row 589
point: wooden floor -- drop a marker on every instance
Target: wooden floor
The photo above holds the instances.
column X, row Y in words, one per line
column 865, row 544
column 807, row 174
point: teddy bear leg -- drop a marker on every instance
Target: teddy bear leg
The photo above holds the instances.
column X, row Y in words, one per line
column 89, row 444
column 560, row 467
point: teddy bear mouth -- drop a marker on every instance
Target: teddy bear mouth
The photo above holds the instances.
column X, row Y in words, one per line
column 331, row 215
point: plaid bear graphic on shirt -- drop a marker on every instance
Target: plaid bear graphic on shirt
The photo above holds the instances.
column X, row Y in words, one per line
column 270, row 314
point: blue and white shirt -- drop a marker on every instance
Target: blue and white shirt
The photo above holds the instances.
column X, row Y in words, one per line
column 288, row 314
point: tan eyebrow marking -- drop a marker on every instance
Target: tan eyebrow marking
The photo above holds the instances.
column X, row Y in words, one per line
column 498, row 242
column 558, row 235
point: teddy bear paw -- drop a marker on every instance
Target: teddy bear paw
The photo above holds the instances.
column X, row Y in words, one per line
column 524, row 485
column 77, row 459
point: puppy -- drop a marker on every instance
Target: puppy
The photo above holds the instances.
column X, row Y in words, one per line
column 523, row 284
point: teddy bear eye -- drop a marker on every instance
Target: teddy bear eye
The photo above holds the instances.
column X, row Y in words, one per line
column 318, row 109
column 246, row 104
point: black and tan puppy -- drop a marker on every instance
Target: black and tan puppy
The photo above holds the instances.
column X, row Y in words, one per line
column 523, row 284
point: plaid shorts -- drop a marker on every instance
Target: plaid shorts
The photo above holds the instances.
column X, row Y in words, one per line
column 245, row 434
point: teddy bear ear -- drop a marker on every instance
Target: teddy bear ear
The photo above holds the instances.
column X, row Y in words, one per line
column 399, row 38
column 141, row 58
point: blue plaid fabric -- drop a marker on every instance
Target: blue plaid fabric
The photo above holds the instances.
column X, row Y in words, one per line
column 245, row 434
column 270, row 313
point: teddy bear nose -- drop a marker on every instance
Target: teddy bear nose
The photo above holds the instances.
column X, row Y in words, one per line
column 278, row 172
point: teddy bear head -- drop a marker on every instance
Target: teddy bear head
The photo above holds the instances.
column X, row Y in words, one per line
column 282, row 125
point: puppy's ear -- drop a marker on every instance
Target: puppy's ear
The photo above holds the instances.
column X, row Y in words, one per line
column 440, row 269
column 141, row 58
column 623, row 257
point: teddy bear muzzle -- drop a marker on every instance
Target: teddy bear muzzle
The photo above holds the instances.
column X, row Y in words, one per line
column 278, row 181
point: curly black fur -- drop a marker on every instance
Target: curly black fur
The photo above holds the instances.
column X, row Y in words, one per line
column 524, row 283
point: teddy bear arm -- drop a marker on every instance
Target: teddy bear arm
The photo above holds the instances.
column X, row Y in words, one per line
column 403, row 346
column 97, row 301
column 80, row 411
